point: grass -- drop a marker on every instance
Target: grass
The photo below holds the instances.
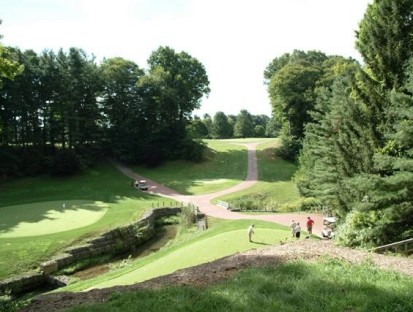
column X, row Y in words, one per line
column 226, row 166
column 274, row 187
column 104, row 194
column 327, row 285
column 226, row 238
column 96, row 201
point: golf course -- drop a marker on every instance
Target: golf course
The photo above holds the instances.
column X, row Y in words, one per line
column 42, row 216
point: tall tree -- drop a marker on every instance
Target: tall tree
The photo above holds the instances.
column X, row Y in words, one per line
column 9, row 68
column 221, row 128
column 244, row 126
column 124, row 120
column 291, row 87
column 384, row 39
column 180, row 83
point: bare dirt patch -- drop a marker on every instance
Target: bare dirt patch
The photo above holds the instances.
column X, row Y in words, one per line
column 216, row 271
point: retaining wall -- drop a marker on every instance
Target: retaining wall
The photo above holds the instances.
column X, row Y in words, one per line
column 116, row 241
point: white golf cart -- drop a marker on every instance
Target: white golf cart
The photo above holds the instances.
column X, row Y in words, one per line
column 141, row 185
column 329, row 226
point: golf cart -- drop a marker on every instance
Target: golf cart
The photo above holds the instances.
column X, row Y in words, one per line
column 329, row 226
column 141, row 185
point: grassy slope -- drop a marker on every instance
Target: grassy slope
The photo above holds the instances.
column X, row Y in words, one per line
column 274, row 178
column 226, row 166
column 104, row 184
column 327, row 285
column 228, row 237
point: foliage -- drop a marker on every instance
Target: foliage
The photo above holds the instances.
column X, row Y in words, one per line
column 66, row 162
column 221, row 127
column 9, row 68
column 243, row 127
column 384, row 39
column 188, row 216
column 356, row 156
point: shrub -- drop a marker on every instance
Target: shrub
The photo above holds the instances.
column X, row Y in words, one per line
column 66, row 162
column 188, row 216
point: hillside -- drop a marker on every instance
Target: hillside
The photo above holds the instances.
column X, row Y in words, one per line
column 213, row 272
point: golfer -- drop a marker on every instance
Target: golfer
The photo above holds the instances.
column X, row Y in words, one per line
column 250, row 232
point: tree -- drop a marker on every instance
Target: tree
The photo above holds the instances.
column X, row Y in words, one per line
column 9, row 68
column 221, row 128
column 197, row 128
column 292, row 82
column 244, row 127
column 385, row 41
column 356, row 155
column 177, row 83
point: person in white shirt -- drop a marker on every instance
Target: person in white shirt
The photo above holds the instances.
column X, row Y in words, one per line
column 297, row 230
column 292, row 226
column 250, row 232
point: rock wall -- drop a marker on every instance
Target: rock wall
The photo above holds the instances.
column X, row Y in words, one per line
column 116, row 241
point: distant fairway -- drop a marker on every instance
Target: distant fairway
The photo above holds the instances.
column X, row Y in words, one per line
column 49, row 217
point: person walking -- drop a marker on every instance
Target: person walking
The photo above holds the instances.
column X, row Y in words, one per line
column 310, row 223
column 250, row 232
column 297, row 230
column 292, row 226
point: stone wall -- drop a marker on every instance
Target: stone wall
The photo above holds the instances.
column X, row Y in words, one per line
column 116, row 241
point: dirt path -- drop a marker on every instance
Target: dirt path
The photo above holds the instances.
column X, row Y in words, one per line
column 203, row 202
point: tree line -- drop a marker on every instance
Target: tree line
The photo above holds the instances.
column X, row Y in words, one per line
column 243, row 125
column 61, row 110
column 350, row 126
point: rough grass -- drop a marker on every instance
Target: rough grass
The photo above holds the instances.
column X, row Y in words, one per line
column 327, row 285
column 275, row 187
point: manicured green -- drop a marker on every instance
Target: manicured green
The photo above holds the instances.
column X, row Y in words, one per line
column 99, row 200
column 49, row 217
column 226, row 238
column 326, row 285
column 114, row 203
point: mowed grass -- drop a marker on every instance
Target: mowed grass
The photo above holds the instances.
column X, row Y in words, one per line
column 225, row 166
column 323, row 286
column 49, row 217
column 226, row 238
column 35, row 226
column 275, row 183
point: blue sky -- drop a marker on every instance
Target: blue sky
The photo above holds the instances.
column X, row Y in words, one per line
column 234, row 39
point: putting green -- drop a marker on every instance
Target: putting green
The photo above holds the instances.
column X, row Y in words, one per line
column 49, row 217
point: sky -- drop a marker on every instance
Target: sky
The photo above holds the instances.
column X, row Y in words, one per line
column 235, row 40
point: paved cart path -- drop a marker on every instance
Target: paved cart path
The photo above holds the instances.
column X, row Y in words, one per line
column 203, row 202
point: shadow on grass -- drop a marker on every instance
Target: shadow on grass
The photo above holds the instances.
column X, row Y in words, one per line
column 31, row 200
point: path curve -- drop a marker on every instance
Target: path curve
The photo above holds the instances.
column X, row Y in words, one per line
column 203, row 202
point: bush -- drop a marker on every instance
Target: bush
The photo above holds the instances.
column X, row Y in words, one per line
column 289, row 148
column 66, row 162
column 188, row 216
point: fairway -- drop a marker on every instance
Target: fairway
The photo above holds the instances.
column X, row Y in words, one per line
column 202, row 251
column 49, row 217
